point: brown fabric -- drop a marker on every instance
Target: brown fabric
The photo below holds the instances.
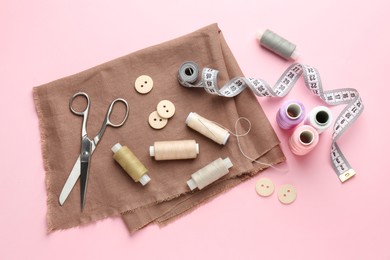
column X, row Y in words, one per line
column 111, row 192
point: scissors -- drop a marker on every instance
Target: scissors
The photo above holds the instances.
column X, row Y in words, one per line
column 81, row 167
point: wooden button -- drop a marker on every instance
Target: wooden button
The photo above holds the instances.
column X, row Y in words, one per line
column 157, row 122
column 264, row 187
column 166, row 109
column 287, row 194
column 143, row 84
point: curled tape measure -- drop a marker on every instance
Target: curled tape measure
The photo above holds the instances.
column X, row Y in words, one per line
column 188, row 76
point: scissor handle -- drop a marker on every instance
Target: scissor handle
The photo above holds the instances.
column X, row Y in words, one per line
column 77, row 112
column 83, row 113
column 109, row 111
column 107, row 121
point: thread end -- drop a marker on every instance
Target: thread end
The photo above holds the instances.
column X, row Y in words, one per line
column 227, row 162
column 259, row 34
column 226, row 138
column 294, row 55
column 144, row 179
column 191, row 184
column 151, row 151
column 189, row 117
column 116, row 147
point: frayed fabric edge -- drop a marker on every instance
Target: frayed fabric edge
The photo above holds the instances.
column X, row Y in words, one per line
column 44, row 150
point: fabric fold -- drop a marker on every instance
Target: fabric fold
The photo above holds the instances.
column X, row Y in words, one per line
column 111, row 192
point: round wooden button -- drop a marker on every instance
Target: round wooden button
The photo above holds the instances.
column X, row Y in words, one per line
column 157, row 122
column 264, row 187
column 166, row 109
column 287, row 194
column 143, row 84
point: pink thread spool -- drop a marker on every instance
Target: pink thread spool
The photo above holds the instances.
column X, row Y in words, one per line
column 303, row 140
column 290, row 114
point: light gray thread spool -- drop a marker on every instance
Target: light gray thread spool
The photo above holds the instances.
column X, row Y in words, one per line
column 277, row 44
column 210, row 173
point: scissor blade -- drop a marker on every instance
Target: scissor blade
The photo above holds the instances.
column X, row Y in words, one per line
column 70, row 182
column 83, row 182
column 72, row 179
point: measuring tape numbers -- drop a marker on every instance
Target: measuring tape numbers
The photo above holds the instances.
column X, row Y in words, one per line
column 188, row 76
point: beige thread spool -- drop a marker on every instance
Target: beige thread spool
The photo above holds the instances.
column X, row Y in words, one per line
column 209, row 173
column 174, row 150
column 130, row 163
column 207, row 128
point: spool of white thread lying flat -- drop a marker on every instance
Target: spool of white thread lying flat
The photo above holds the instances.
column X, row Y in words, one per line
column 207, row 128
column 209, row 173
column 320, row 118
column 174, row 150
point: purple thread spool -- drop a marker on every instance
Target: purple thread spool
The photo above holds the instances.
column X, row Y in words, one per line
column 290, row 114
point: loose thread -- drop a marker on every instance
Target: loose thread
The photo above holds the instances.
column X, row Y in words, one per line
column 207, row 128
column 238, row 135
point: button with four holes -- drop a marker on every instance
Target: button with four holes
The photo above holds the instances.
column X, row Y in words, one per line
column 287, row 194
column 143, row 84
column 264, row 187
column 157, row 122
column 165, row 109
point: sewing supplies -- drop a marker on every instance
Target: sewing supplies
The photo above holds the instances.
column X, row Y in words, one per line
column 277, row 44
column 290, row 114
column 287, row 194
column 320, row 118
column 130, row 163
column 235, row 86
column 88, row 146
column 303, row 140
column 174, row 150
column 265, row 187
column 210, row 173
column 207, row 128
column 159, row 119
column 143, row 84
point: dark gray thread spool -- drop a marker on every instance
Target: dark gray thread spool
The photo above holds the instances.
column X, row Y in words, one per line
column 278, row 45
column 189, row 72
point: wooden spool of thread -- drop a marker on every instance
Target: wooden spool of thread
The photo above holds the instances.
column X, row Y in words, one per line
column 174, row 150
column 209, row 173
column 130, row 163
column 207, row 128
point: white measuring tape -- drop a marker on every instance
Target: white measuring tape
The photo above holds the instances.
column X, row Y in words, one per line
column 188, row 76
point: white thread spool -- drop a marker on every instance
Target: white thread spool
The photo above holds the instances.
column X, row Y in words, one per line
column 320, row 118
column 174, row 150
column 209, row 173
column 130, row 163
column 207, row 128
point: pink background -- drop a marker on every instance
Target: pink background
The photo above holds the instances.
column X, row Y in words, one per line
column 348, row 41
